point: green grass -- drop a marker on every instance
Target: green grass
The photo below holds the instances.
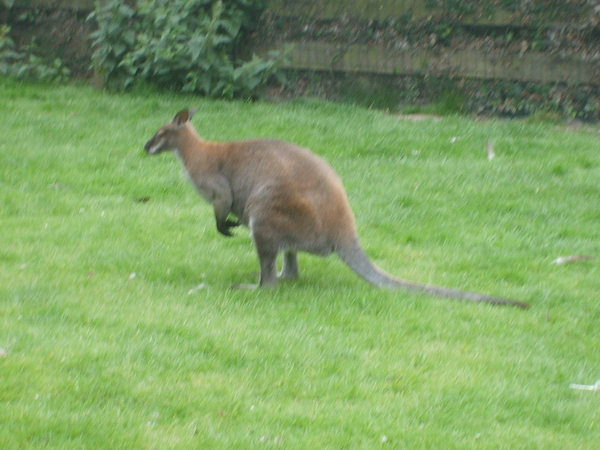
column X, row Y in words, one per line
column 97, row 358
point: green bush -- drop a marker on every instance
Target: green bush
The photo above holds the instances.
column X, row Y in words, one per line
column 25, row 63
column 188, row 45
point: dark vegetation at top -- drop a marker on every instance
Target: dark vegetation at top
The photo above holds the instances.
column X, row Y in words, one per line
column 205, row 46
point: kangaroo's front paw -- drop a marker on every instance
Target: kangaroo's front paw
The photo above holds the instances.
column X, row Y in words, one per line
column 225, row 227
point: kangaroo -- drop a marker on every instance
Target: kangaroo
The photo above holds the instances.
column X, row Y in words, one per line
column 290, row 199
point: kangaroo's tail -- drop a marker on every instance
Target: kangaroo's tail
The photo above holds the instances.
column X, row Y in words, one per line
column 355, row 257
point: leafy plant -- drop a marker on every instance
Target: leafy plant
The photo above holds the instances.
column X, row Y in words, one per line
column 189, row 45
column 24, row 62
column 7, row 50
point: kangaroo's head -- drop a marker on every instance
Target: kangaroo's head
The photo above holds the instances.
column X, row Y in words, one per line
column 166, row 138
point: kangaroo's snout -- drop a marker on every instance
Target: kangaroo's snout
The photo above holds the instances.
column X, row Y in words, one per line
column 151, row 148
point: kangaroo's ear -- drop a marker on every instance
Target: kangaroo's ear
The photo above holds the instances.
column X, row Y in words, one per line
column 182, row 117
column 191, row 113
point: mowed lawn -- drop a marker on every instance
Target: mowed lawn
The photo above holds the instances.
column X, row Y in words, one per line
column 119, row 330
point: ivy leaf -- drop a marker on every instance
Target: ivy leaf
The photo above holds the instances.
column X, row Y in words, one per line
column 129, row 37
column 196, row 46
column 126, row 11
column 232, row 27
column 221, row 39
column 119, row 49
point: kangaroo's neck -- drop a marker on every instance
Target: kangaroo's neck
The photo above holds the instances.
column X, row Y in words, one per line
column 189, row 142
column 196, row 154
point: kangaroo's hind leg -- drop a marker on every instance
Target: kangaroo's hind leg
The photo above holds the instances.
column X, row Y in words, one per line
column 289, row 271
column 267, row 251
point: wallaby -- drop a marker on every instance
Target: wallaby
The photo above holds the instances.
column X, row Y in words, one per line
column 289, row 198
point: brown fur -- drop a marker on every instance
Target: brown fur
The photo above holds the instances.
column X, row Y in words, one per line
column 289, row 198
